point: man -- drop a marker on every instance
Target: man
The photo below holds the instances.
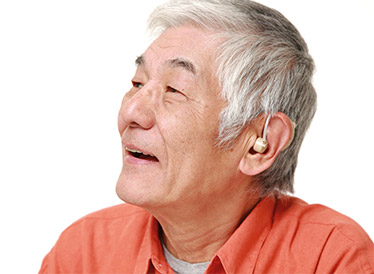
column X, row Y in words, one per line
column 210, row 131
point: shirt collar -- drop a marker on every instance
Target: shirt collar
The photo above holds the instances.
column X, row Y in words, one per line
column 239, row 254
column 151, row 255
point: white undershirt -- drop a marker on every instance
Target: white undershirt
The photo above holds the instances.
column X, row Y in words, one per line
column 182, row 267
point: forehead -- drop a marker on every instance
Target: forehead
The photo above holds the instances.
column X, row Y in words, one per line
column 186, row 47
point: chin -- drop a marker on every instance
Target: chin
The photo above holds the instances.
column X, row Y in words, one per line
column 136, row 191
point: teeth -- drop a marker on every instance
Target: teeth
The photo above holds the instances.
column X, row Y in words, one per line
column 136, row 151
column 133, row 150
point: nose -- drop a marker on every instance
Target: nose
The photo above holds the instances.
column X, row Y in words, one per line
column 137, row 109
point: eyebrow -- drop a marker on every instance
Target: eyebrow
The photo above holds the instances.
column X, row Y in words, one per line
column 177, row 62
column 139, row 60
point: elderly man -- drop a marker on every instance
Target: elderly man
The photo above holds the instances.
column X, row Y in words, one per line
column 211, row 129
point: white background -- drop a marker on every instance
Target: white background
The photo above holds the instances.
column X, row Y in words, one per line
column 64, row 67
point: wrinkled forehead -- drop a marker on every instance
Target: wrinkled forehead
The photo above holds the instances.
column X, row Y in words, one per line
column 186, row 47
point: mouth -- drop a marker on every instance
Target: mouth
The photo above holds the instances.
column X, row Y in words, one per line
column 141, row 155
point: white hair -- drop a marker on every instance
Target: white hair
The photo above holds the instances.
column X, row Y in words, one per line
column 263, row 68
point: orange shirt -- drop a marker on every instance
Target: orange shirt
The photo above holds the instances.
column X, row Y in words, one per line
column 279, row 236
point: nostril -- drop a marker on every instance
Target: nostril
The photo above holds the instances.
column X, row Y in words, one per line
column 134, row 124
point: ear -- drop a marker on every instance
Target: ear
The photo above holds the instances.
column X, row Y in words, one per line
column 279, row 135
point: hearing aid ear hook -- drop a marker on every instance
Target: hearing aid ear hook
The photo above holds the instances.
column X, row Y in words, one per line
column 261, row 143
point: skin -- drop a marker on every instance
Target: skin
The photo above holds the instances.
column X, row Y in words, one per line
column 197, row 191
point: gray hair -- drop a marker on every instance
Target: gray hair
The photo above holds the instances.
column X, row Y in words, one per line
column 263, row 68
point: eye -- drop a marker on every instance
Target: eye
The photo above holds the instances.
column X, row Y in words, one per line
column 173, row 95
column 171, row 89
column 137, row 84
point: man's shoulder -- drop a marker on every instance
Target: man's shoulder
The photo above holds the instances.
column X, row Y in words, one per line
column 111, row 222
column 105, row 228
column 291, row 209
column 93, row 242
column 322, row 237
column 331, row 235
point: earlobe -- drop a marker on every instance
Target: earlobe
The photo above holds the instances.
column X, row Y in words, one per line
column 277, row 134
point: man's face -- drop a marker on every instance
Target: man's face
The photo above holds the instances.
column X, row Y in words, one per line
column 169, row 124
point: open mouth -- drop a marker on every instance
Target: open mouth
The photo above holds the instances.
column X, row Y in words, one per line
column 141, row 155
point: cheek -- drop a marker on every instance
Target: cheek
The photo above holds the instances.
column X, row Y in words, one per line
column 175, row 131
column 188, row 127
column 188, row 137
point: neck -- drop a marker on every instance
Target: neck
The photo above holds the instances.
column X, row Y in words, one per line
column 195, row 232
